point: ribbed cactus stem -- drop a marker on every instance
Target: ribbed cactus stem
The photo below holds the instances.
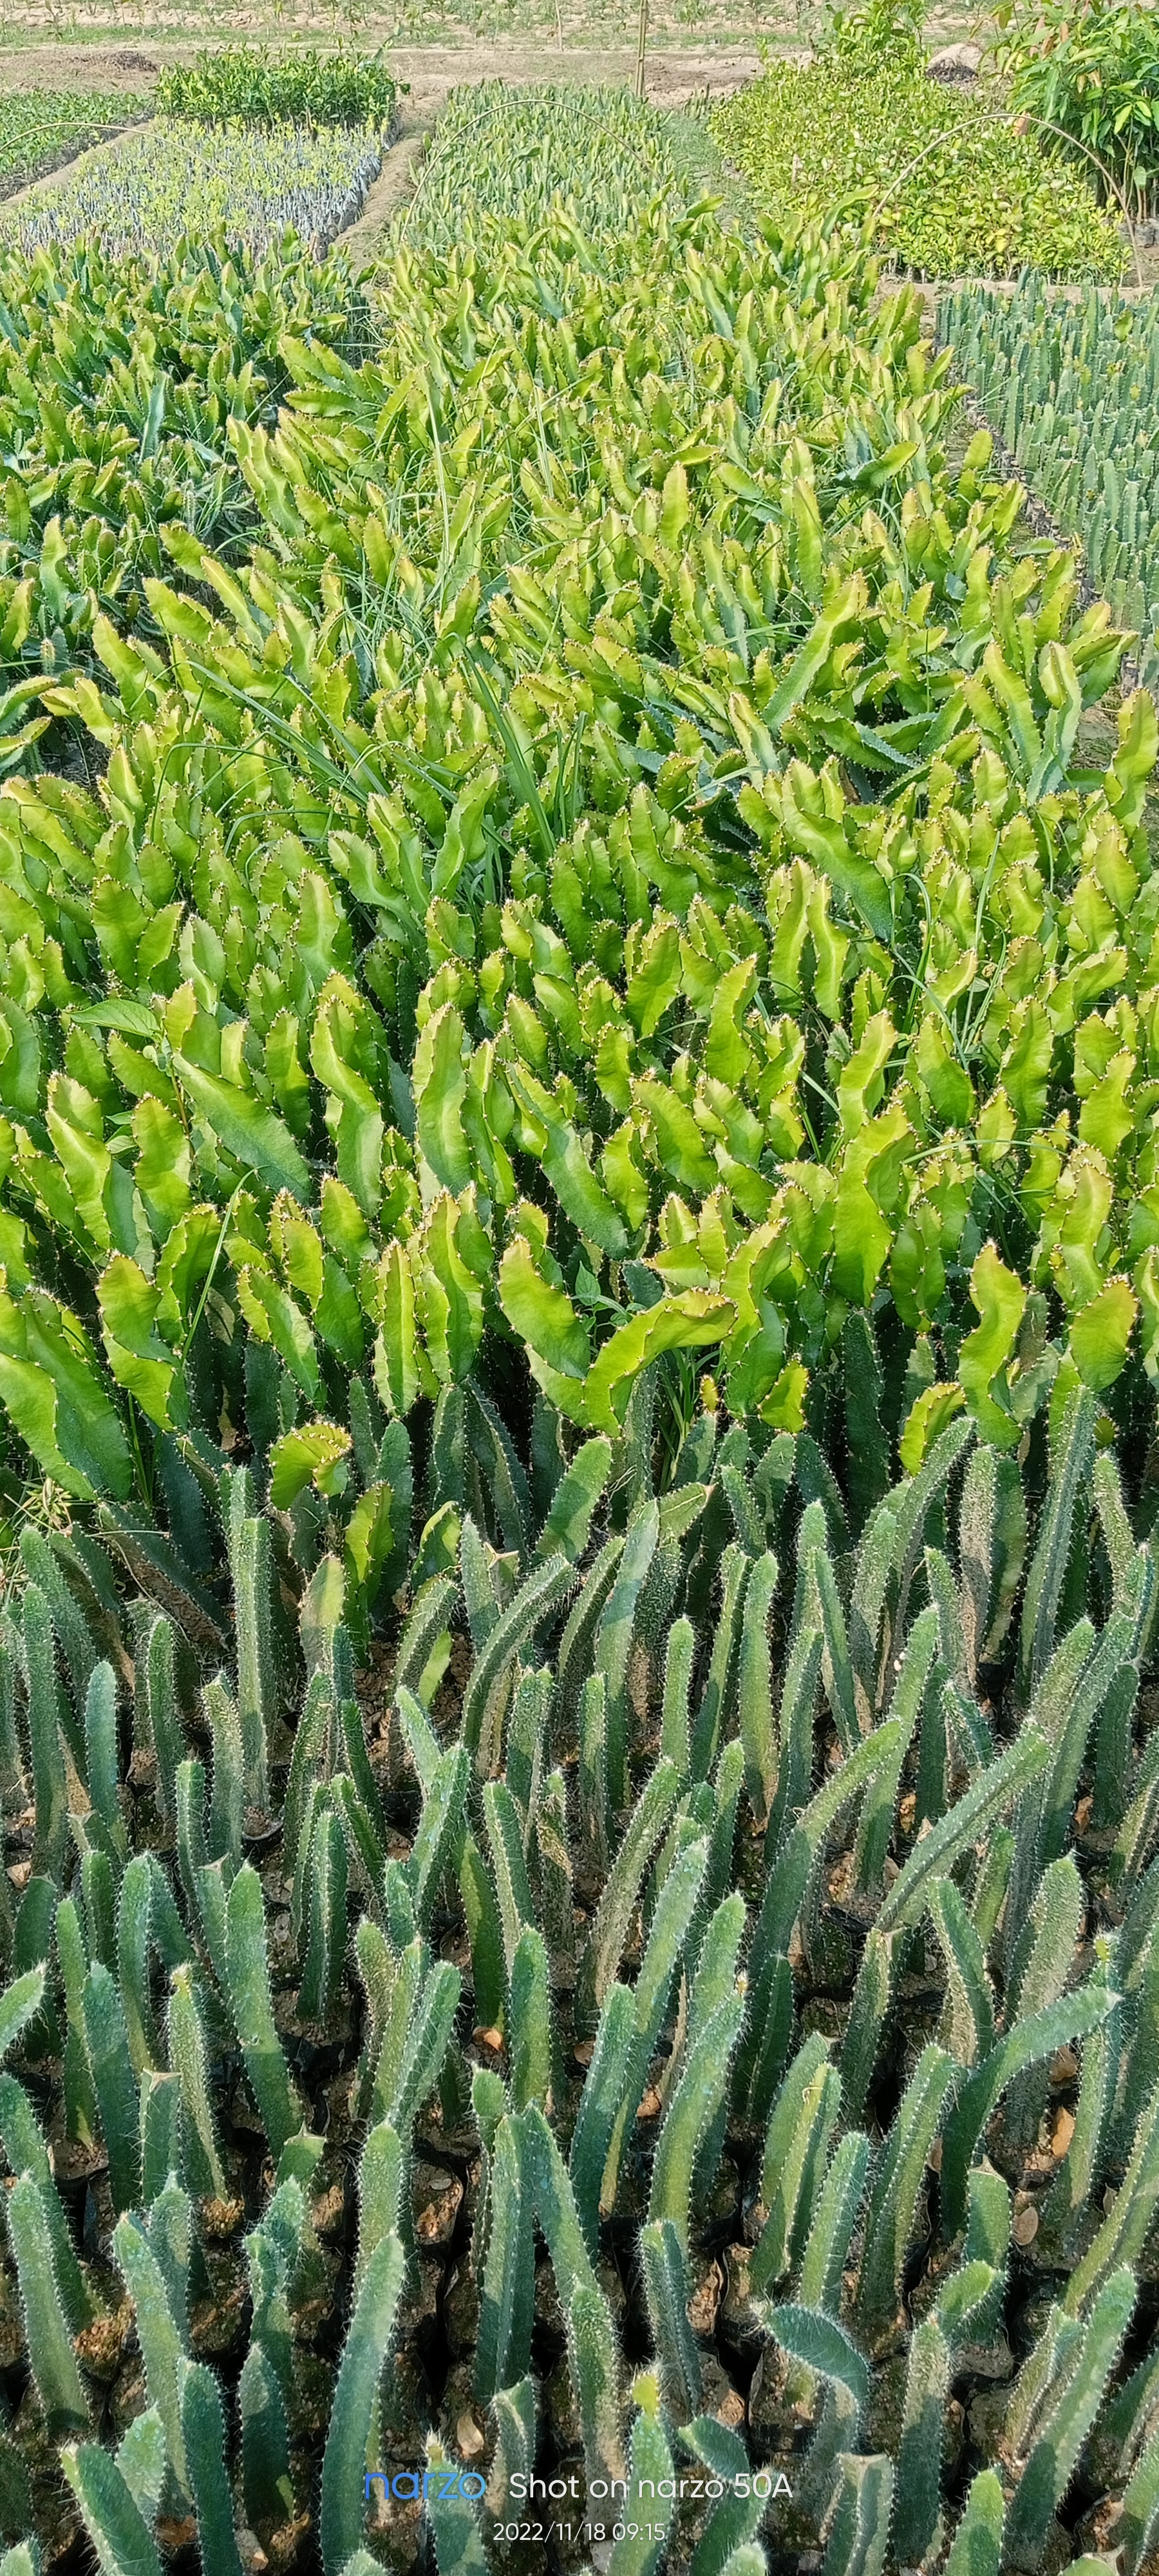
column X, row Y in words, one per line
column 919, row 2464
column 529, row 2021
column 977, row 2542
column 12, row 1782
column 134, row 1925
column 605, row 2086
column 109, row 2057
column 187, row 2052
column 513, row 2411
column 666, row 2292
column 267, row 2482
column 507, row 2288
column 157, row 1669
column 381, row 2175
column 327, row 1919
column 49, row 1778
column 252, row 1568
column 144, row 2463
column 203, row 2430
column 25, row 2152
column 227, row 1776
column 102, row 1754
column 159, row 2337
column 355, row 2410
column 252, row 2008
column 112, row 2518
column 609, row 1931
column 51, row 2358
column 556, row 1872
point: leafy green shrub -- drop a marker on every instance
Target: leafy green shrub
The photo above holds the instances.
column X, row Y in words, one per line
column 249, row 85
column 650, row 1069
column 1093, row 71
column 1073, row 391
column 947, row 185
column 869, row 32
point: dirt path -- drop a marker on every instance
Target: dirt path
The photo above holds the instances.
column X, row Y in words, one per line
column 395, row 179
column 431, row 70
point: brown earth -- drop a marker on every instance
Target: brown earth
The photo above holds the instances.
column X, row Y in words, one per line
column 430, row 70
column 395, row 179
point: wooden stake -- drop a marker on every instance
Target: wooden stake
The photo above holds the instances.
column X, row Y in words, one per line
column 641, row 48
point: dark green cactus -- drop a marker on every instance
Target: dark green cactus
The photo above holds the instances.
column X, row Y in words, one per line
column 46, row 2328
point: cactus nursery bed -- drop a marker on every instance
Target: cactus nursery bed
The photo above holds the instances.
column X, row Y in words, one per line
column 174, row 179
column 40, row 127
column 1072, row 392
column 579, row 1330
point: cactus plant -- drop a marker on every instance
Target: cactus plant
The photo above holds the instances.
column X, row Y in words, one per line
column 353, row 2421
column 683, row 1776
column 50, row 2353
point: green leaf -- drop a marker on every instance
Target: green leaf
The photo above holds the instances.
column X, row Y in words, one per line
column 1000, row 1300
column 51, row 1386
column 1100, row 1334
column 256, row 1137
column 440, row 1083
column 542, row 1314
column 927, row 1417
column 314, row 1453
column 682, row 1323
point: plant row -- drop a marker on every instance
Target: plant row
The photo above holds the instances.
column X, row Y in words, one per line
column 576, row 1077
column 588, row 160
column 39, row 128
column 948, row 183
column 1073, row 391
column 171, row 181
column 734, row 1969
column 249, row 85
column 117, row 380
column 709, row 938
column 1091, row 73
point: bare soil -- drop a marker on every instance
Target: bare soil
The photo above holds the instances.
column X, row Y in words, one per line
column 394, row 181
column 430, row 70
column 60, row 67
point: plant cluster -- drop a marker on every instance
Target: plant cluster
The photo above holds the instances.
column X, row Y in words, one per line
column 591, row 165
column 119, row 379
column 40, row 127
column 579, row 1226
column 948, row 185
column 779, row 956
column 1092, row 71
column 1073, row 390
column 249, row 85
column 173, row 182
column 869, row 33
column 576, row 1955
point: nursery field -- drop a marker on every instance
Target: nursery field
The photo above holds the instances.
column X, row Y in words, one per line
column 174, row 181
column 1073, row 391
column 579, row 1333
column 39, row 128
